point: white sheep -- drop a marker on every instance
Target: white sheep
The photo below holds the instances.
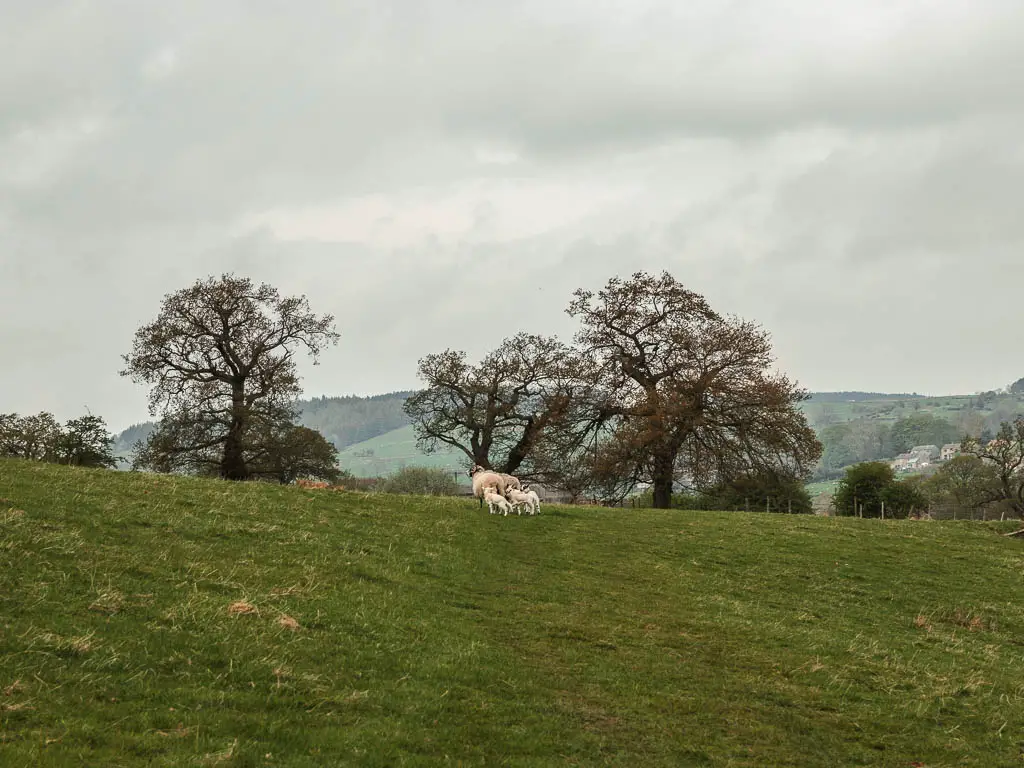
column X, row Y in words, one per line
column 527, row 498
column 511, row 481
column 483, row 478
column 534, row 498
column 496, row 501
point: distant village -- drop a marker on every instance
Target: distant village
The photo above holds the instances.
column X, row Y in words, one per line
column 921, row 456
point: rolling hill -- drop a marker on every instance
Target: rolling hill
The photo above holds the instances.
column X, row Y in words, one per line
column 384, row 454
column 150, row 620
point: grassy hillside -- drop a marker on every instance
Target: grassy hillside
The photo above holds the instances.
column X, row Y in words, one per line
column 165, row 621
column 990, row 408
column 393, row 450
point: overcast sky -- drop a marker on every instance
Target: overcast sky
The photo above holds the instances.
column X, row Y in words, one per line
column 443, row 174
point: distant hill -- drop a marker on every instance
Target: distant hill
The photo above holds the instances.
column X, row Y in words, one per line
column 393, row 450
column 344, row 421
column 857, row 397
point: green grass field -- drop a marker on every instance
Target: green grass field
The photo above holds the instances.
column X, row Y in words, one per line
column 156, row 621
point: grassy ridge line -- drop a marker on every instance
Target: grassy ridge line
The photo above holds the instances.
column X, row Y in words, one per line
column 428, row 630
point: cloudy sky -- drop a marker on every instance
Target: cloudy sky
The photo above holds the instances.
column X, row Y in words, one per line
column 443, row 174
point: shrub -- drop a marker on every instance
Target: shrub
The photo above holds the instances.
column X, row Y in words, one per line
column 424, row 481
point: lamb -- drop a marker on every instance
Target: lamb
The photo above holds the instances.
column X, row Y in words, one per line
column 533, row 497
column 483, row 478
column 525, row 498
column 496, row 500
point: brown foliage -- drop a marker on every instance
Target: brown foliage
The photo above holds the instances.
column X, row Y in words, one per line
column 690, row 390
column 219, row 359
column 495, row 412
column 1004, row 457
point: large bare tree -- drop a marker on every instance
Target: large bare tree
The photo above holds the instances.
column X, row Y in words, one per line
column 691, row 393
column 495, row 412
column 220, row 360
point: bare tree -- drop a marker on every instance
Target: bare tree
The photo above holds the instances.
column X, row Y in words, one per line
column 495, row 412
column 688, row 391
column 1005, row 455
column 219, row 358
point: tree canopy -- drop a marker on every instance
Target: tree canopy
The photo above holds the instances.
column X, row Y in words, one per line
column 219, row 359
column 871, row 487
column 690, row 392
column 495, row 412
column 1004, row 455
column 83, row 441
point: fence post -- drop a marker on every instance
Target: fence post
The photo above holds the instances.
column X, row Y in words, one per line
column 883, row 510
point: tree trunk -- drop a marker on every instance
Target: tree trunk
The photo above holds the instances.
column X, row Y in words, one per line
column 233, row 466
column 662, row 481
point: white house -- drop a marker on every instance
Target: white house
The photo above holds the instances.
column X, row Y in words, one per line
column 949, row 450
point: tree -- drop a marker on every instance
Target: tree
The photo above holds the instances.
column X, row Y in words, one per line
column 495, row 412
column 964, row 482
column 759, row 492
column 861, row 490
column 565, row 461
column 687, row 392
column 867, row 486
column 30, row 437
column 287, row 452
column 85, row 442
column 1005, row 455
column 1017, row 388
column 81, row 442
column 219, row 359
column 10, row 435
column 903, row 497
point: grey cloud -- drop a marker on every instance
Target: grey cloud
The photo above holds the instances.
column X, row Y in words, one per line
column 828, row 173
column 263, row 104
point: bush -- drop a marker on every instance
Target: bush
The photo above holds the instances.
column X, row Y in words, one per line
column 423, row 481
column 760, row 493
column 866, row 487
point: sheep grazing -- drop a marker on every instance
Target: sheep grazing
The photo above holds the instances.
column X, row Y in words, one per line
column 496, row 501
column 483, row 478
column 527, row 498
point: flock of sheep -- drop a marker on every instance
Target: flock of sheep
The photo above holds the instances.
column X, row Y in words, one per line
column 503, row 493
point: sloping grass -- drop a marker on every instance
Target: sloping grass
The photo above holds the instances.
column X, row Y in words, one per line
column 159, row 621
column 387, row 453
